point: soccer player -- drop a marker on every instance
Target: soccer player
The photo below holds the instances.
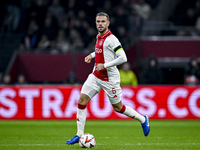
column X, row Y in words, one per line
column 108, row 54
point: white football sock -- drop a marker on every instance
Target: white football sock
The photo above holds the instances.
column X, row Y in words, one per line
column 81, row 118
column 134, row 114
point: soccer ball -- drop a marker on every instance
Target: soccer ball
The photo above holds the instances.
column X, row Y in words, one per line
column 87, row 141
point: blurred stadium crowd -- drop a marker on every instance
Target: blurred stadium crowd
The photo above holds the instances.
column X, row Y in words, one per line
column 187, row 13
column 64, row 26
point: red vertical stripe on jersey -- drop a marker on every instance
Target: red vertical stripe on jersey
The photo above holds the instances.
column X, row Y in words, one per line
column 99, row 56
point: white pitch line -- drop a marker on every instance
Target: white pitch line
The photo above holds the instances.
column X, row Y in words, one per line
column 183, row 144
column 1, row 145
column 139, row 137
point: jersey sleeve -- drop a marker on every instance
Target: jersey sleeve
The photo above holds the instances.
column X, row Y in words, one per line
column 92, row 54
column 114, row 43
column 121, row 58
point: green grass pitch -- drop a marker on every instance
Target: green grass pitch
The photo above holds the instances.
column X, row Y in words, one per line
column 109, row 134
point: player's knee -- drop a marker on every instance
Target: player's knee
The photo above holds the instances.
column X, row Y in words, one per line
column 84, row 99
column 80, row 100
column 117, row 109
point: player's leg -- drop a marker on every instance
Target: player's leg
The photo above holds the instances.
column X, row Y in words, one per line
column 89, row 90
column 114, row 93
column 81, row 118
column 128, row 111
column 81, row 113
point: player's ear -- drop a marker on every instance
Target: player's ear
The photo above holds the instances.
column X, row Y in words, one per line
column 108, row 23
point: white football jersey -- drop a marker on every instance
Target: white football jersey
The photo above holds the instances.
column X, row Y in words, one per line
column 105, row 51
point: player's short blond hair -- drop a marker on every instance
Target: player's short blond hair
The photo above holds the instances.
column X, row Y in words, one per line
column 103, row 14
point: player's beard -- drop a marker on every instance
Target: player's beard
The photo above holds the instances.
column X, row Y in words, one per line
column 102, row 31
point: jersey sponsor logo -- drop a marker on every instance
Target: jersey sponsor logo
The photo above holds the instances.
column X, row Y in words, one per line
column 98, row 50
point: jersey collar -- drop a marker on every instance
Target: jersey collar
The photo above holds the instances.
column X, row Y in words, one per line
column 105, row 34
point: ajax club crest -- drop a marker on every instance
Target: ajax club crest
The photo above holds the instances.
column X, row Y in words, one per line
column 100, row 42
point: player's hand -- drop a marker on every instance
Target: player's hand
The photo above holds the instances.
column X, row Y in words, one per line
column 100, row 67
column 88, row 58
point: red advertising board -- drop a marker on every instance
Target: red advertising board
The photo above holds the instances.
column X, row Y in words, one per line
column 60, row 102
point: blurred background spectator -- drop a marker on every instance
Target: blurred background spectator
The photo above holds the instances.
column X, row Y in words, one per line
column 43, row 44
column 62, row 43
column 152, row 74
column 36, row 11
column 56, row 9
column 6, row 79
column 192, row 72
column 30, row 38
column 135, row 22
column 11, row 18
column 21, row 80
column 143, row 9
column 127, row 76
column 71, row 79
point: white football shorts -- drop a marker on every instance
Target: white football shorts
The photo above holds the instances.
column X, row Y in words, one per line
column 93, row 85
